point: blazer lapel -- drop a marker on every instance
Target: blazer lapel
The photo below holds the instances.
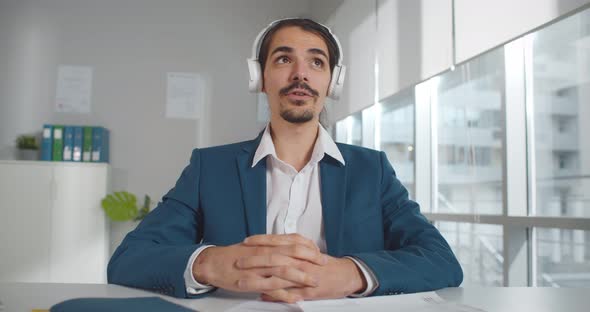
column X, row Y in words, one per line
column 253, row 182
column 333, row 190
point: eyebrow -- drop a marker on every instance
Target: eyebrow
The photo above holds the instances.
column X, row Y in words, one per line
column 318, row 51
column 282, row 49
column 290, row 50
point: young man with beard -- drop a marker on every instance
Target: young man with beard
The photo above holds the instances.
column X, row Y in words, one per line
column 291, row 214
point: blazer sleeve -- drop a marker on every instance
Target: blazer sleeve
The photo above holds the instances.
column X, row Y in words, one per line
column 416, row 257
column 155, row 254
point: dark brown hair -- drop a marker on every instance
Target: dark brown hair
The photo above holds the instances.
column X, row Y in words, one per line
column 306, row 25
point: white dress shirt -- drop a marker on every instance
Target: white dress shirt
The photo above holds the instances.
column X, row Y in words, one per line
column 293, row 201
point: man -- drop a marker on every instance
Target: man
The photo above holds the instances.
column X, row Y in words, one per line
column 290, row 215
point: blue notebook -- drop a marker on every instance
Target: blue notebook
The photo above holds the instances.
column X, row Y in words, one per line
column 78, row 143
column 100, row 144
column 145, row 304
column 47, row 143
column 68, row 143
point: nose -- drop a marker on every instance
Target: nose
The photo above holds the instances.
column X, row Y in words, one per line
column 299, row 72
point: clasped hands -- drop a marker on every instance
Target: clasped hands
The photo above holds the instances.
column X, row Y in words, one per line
column 287, row 268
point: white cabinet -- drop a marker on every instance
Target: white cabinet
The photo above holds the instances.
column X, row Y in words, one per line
column 52, row 228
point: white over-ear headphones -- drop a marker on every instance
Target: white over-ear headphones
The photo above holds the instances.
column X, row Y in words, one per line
column 255, row 85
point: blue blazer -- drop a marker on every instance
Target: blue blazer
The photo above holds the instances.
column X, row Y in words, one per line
column 220, row 199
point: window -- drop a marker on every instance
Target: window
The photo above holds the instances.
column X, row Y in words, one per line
column 470, row 162
column 495, row 152
column 563, row 257
column 349, row 130
column 559, row 82
column 397, row 135
column 479, row 250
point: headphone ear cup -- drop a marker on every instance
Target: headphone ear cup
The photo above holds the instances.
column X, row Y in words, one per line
column 337, row 82
column 255, row 83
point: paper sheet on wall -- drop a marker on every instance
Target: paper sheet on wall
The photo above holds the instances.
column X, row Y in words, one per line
column 184, row 95
column 74, row 89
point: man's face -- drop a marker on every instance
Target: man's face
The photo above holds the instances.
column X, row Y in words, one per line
column 296, row 75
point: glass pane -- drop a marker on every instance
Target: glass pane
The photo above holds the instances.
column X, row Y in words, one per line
column 563, row 258
column 479, row 250
column 397, row 135
column 340, row 131
column 356, row 127
column 560, row 88
column 470, row 136
column 350, row 130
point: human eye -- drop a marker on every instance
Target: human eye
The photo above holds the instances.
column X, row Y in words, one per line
column 317, row 62
column 283, row 59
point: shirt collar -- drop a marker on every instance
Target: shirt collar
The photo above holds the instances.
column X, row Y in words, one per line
column 323, row 145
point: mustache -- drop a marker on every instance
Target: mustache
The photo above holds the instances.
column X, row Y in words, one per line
column 298, row 85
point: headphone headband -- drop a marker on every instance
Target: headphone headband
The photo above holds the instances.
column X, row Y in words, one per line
column 261, row 35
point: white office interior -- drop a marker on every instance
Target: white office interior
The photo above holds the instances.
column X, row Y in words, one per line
column 480, row 105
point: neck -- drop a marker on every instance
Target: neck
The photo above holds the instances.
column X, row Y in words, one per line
column 294, row 143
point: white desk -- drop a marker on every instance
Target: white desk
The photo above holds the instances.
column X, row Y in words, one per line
column 18, row 297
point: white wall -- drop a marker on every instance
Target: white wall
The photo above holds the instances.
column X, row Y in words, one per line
column 484, row 24
column 131, row 44
column 415, row 42
column 354, row 23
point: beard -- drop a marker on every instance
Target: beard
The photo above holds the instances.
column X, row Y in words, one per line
column 293, row 116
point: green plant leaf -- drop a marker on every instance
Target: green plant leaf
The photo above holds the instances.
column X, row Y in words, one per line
column 27, row 142
column 120, row 206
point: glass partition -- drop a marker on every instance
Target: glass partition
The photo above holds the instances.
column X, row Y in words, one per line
column 355, row 126
column 560, row 89
column 397, row 135
column 470, row 138
column 535, row 91
column 563, row 257
column 479, row 249
column 350, row 130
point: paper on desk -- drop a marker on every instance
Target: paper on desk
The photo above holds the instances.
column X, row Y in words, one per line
column 421, row 302
column 255, row 306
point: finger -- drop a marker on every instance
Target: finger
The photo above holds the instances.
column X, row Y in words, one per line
column 280, row 240
column 262, row 284
column 297, row 252
column 265, row 297
column 293, row 275
column 281, row 295
column 302, row 253
column 265, row 261
column 305, row 293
